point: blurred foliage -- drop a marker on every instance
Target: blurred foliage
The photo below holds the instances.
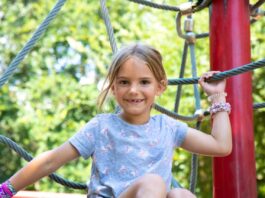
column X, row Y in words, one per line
column 53, row 92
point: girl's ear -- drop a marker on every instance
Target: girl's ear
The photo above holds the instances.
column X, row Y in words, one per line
column 162, row 86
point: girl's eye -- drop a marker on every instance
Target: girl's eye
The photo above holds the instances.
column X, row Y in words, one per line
column 145, row 82
column 123, row 82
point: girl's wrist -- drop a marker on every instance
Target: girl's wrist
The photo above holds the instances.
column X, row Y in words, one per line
column 219, row 103
column 220, row 99
column 217, row 97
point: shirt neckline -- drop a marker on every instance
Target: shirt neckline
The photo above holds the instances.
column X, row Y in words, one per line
column 132, row 125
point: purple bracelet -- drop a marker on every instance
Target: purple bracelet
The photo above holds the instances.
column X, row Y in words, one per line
column 218, row 107
column 2, row 192
column 7, row 190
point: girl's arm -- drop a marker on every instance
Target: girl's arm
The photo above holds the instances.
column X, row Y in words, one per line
column 43, row 165
column 219, row 142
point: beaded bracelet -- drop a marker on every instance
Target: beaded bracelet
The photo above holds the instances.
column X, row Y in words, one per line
column 217, row 95
column 2, row 193
column 221, row 106
column 7, row 190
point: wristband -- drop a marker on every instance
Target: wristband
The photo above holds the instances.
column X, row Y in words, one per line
column 7, row 190
column 218, row 107
column 2, row 193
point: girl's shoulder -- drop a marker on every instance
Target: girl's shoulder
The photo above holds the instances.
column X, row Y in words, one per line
column 103, row 120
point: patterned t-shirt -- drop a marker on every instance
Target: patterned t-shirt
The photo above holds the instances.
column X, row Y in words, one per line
column 123, row 152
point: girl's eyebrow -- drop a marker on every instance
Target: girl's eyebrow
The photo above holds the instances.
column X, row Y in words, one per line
column 139, row 79
column 121, row 77
column 145, row 77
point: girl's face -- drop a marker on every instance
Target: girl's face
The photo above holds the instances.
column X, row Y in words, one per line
column 135, row 88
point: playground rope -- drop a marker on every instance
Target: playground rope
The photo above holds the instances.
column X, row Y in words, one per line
column 221, row 75
column 190, row 40
column 29, row 45
column 181, row 75
column 259, row 105
column 183, row 7
column 105, row 16
column 257, row 5
column 23, row 153
column 156, row 5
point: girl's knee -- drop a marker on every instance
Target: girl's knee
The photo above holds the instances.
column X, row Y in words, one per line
column 151, row 184
column 147, row 186
column 152, row 178
column 180, row 192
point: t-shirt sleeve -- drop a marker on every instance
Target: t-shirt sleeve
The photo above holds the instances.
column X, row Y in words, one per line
column 85, row 139
column 179, row 130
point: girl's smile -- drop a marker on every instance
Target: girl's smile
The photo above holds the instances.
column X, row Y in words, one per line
column 134, row 101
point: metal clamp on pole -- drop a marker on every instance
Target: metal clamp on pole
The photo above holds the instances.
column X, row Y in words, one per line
column 201, row 114
column 190, row 37
column 186, row 8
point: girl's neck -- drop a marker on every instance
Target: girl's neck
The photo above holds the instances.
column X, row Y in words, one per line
column 136, row 120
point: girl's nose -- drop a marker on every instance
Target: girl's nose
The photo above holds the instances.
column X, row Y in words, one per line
column 133, row 88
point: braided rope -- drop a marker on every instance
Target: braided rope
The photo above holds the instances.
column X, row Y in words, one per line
column 105, row 15
column 258, row 105
column 194, row 166
column 23, row 153
column 181, row 74
column 257, row 5
column 194, row 75
column 195, row 116
column 197, row 7
column 194, row 159
column 221, row 75
column 194, row 172
column 202, row 35
column 156, row 5
column 29, row 45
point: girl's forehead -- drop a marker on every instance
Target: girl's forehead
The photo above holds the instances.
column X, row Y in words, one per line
column 134, row 68
column 134, row 64
column 135, row 59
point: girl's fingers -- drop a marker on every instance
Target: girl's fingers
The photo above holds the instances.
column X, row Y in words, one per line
column 208, row 74
column 201, row 80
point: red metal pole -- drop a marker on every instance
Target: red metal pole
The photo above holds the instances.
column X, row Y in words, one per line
column 234, row 176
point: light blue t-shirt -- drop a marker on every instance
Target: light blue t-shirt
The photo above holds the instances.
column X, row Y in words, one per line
column 123, row 152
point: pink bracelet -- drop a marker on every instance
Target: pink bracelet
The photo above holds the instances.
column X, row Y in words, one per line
column 221, row 106
column 7, row 190
column 2, row 192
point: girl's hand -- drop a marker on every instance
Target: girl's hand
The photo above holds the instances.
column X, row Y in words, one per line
column 212, row 87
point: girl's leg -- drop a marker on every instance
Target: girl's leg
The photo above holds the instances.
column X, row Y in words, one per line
column 180, row 193
column 148, row 186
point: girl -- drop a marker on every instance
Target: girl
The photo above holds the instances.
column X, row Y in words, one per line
column 132, row 151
